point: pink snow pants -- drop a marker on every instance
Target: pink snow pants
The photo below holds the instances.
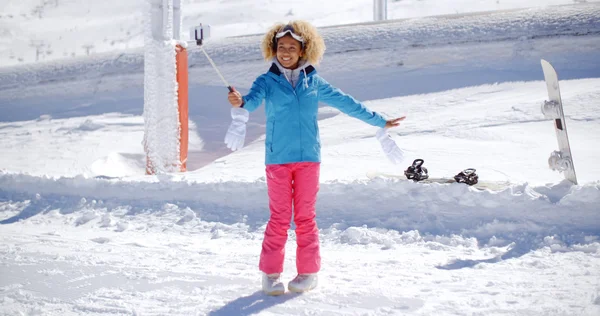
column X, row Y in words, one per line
column 292, row 186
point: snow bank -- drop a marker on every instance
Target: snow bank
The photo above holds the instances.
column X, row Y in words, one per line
column 438, row 209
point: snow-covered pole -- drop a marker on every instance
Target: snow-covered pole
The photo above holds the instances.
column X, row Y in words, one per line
column 177, row 20
column 379, row 10
column 165, row 89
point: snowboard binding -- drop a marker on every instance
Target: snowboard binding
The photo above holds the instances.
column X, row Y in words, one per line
column 560, row 162
column 467, row 176
column 416, row 171
column 551, row 110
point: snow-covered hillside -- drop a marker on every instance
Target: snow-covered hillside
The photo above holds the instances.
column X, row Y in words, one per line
column 84, row 232
column 43, row 30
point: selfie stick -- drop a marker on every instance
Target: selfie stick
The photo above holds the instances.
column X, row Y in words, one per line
column 199, row 33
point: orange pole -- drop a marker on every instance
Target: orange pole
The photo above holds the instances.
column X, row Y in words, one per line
column 182, row 102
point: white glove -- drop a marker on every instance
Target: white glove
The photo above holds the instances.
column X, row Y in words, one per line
column 391, row 150
column 237, row 130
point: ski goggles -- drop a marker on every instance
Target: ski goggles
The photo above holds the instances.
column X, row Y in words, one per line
column 288, row 29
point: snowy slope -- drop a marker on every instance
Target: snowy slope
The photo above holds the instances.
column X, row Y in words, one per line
column 502, row 39
column 84, row 232
column 404, row 58
column 43, row 30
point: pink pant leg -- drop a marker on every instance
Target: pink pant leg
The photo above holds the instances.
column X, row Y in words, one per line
column 279, row 186
column 306, row 186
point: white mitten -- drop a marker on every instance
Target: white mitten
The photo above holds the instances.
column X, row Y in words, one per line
column 391, row 150
column 237, row 130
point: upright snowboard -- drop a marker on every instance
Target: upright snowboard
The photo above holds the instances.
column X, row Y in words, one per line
column 560, row 160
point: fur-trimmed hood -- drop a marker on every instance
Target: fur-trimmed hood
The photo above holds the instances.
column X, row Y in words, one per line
column 314, row 45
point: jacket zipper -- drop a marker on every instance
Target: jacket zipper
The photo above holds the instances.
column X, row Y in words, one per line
column 289, row 84
column 298, row 113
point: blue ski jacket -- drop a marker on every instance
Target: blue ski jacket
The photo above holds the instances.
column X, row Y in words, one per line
column 292, row 133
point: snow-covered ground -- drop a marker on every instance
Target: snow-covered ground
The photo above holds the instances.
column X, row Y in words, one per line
column 171, row 261
column 84, row 232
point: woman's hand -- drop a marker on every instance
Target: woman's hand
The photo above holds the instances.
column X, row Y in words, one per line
column 394, row 122
column 235, row 98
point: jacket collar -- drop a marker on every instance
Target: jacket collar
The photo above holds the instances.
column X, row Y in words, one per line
column 275, row 70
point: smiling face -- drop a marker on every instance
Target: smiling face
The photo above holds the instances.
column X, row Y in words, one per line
column 289, row 52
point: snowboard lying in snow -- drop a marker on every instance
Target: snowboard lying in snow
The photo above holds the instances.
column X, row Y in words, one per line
column 480, row 185
column 417, row 173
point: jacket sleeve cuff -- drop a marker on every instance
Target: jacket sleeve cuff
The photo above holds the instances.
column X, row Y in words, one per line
column 381, row 122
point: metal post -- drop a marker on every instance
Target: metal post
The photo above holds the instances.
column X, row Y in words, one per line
column 379, row 10
column 177, row 19
column 167, row 30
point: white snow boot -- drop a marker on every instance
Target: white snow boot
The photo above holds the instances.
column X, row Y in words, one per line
column 303, row 282
column 271, row 284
